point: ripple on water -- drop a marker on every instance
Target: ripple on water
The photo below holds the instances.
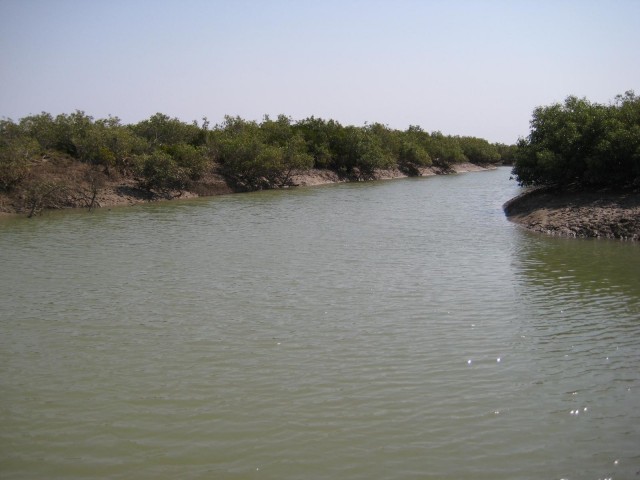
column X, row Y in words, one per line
column 264, row 334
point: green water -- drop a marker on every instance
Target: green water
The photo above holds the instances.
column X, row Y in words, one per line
column 397, row 329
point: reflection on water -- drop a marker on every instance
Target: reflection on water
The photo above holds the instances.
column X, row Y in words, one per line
column 587, row 267
column 395, row 329
column 579, row 312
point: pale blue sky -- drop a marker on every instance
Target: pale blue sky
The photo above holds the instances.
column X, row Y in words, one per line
column 463, row 67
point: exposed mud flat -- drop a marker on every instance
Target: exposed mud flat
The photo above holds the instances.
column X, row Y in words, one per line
column 599, row 214
column 122, row 191
column 310, row 178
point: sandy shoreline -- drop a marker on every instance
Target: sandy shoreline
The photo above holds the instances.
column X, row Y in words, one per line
column 125, row 191
column 595, row 214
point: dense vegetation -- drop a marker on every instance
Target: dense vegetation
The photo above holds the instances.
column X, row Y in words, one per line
column 40, row 154
column 582, row 144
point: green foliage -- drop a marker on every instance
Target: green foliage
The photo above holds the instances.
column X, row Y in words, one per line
column 161, row 130
column 276, row 132
column 16, row 152
column 582, row 143
column 164, row 153
column 389, row 140
column 478, row 150
column 117, row 144
column 412, row 156
column 444, row 150
column 238, row 148
column 317, row 134
column 105, row 142
column 295, row 155
column 507, row 153
column 192, row 160
column 102, row 142
column 172, row 168
column 358, row 152
column 261, row 156
column 159, row 171
column 44, row 129
column 292, row 151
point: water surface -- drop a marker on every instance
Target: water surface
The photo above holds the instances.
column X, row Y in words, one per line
column 397, row 329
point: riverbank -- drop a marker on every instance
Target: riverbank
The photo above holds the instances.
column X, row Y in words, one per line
column 124, row 191
column 596, row 214
column 310, row 178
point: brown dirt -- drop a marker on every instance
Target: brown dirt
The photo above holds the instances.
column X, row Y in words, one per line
column 600, row 214
column 73, row 188
column 125, row 191
column 470, row 167
column 60, row 182
column 309, row 178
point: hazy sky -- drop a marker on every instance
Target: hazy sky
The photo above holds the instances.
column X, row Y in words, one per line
column 462, row 67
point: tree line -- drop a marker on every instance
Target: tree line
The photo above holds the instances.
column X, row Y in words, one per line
column 164, row 153
column 582, row 144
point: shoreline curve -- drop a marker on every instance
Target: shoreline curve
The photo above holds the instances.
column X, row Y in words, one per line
column 578, row 214
column 125, row 191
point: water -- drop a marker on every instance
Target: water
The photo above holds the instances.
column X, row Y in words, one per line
column 397, row 329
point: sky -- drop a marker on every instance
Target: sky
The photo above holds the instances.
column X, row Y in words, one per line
column 461, row 67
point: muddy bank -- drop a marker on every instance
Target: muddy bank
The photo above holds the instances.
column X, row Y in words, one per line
column 598, row 214
column 76, row 192
column 311, row 178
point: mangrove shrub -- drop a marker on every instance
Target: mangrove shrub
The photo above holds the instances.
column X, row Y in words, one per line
column 583, row 144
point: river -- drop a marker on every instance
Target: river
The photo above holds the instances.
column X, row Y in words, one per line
column 396, row 329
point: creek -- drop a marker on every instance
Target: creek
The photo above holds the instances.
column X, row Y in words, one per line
column 393, row 329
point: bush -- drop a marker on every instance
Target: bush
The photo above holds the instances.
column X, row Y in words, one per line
column 16, row 152
column 255, row 157
column 412, row 157
column 159, row 171
column 479, row 151
column 191, row 159
column 583, row 144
